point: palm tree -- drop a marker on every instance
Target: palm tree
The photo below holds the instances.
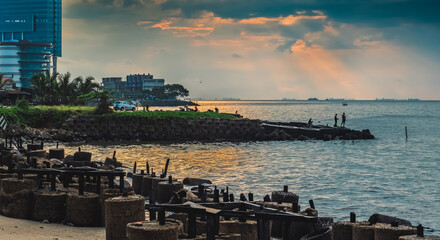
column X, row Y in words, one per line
column 67, row 89
column 45, row 87
column 86, row 85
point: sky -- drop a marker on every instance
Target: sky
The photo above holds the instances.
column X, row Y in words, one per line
column 261, row 49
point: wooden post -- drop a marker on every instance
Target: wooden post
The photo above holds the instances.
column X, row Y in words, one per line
column 166, row 168
column 111, row 183
column 121, row 183
column 53, row 186
column 161, row 216
column 216, row 195
column 134, row 167
column 263, row 226
column 295, row 207
column 192, row 228
column 225, row 197
column 312, row 205
column 251, row 197
column 81, row 183
column 98, row 184
column 66, row 180
column 114, row 155
column 242, row 208
column 352, row 217
column 406, row 132
column 148, row 168
column 211, row 227
column 420, row 232
column 40, row 180
column 286, row 230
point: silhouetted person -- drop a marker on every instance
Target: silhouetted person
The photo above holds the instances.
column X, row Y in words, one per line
column 196, row 109
column 344, row 118
column 216, row 109
column 336, row 120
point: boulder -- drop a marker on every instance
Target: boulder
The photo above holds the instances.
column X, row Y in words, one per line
column 195, row 181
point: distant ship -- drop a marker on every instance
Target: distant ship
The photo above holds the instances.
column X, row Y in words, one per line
column 344, row 104
column 312, row 99
column 335, row 99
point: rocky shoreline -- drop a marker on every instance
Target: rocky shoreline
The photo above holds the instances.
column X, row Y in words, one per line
column 105, row 128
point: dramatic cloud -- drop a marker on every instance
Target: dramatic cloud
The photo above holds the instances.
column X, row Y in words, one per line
column 261, row 49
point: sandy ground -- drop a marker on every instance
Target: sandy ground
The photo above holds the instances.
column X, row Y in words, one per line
column 19, row 229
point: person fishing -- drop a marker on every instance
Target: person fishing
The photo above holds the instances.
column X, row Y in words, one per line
column 344, row 118
column 336, row 120
column 309, row 124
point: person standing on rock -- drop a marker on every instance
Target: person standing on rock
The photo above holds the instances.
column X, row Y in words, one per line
column 336, row 120
column 344, row 118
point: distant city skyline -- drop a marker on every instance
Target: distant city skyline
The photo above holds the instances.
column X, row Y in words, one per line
column 261, row 49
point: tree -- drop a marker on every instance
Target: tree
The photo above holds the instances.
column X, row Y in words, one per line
column 159, row 92
column 45, row 87
column 86, row 85
column 103, row 96
column 67, row 89
column 176, row 90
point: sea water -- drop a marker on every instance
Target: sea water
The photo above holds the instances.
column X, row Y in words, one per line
column 390, row 175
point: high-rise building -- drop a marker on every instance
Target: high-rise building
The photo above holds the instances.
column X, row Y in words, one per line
column 30, row 38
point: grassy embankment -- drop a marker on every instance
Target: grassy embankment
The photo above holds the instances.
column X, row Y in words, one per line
column 55, row 116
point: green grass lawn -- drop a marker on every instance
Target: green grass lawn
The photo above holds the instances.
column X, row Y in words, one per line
column 55, row 116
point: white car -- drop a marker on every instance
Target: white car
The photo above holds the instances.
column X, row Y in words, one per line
column 121, row 105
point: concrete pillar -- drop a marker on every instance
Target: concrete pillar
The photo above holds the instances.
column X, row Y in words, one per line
column 155, row 183
column 363, row 232
column 165, row 190
column 383, row 231
column 152, row 230
column 146, row 185
column 107, row 194
column 49, row 206
column 183, row 218
column 57, row 153
column 137, row 183
column 248, row 229
column 83, row 210
column 344, row 230
column 16, row 197
column 120, row 211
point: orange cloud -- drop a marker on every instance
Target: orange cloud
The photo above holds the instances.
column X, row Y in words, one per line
column 207, row 22
column 289, row 20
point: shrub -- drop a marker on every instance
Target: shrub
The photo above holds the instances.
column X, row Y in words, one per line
column 23, row 104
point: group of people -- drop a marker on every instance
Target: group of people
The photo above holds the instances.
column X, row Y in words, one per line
column 344, row 118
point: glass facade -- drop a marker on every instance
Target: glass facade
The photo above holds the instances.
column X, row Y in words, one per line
column 36, row 25
column 32, row 20
column 20, row 61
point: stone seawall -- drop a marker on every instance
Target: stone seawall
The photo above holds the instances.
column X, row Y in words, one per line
column 177, row 129
column 132, row 128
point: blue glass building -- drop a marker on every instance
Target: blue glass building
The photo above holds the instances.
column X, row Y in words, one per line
column 30, row 38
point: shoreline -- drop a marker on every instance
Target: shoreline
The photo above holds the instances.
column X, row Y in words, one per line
column 21, row 229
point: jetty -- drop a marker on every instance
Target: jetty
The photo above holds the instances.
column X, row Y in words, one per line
column 139, row 203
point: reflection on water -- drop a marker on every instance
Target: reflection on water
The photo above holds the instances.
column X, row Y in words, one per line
column 387, row 175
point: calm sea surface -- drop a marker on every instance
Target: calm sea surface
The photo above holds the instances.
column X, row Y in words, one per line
column 388, row 175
